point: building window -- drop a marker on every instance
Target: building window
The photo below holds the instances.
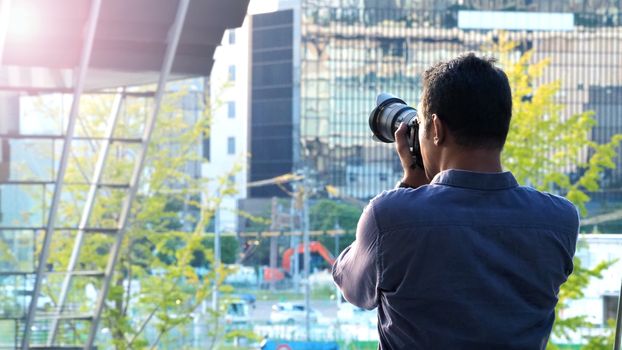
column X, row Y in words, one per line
column 231, row 36
column 231, row 73
column 190, row 101
column 231, row 145
column 231, row 109
column 206, row 148
column 610, row 305
column 5, row 160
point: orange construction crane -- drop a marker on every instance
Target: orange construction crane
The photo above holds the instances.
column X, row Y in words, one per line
column 314, row 246
column 270, row 274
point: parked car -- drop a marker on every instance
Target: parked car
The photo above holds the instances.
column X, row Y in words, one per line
column 236, row 311
column 291, row 313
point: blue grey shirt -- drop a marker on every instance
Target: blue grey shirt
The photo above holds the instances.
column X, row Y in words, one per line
column 470, row 261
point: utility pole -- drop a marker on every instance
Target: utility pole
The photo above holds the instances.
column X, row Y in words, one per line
column 216, row 257
column 306, row 258
column 301, row 204
column 275, row 225
column 294, row 241
column 337, row 236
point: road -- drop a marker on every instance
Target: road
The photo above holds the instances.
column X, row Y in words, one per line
column 261, row 312
column 325, row 329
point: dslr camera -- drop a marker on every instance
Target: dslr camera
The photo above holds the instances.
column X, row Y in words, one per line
column 387, row 116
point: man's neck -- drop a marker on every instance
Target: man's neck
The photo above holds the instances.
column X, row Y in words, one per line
column 478, row 160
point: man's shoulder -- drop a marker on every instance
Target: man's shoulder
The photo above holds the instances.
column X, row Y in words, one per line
column 558, row 206
column 391, row 204
column 430, row 200
column 397, row 196
column 549, row 199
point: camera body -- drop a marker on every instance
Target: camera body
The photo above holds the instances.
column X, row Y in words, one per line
column 387, row 116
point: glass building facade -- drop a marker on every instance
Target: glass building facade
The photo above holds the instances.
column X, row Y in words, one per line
column 32, row 136
column 352, row 50
column 271, row 108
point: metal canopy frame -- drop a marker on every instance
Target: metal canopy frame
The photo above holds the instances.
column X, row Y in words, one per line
column 171, row 48
column 75, row 107
column 86, row 212
column 95, row 183
column 190, row 38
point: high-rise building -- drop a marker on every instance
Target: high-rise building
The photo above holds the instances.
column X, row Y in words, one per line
column 225, row 148
column 351, row 53
column 315, row 68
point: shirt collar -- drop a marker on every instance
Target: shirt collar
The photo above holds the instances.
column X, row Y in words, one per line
column 475, row 180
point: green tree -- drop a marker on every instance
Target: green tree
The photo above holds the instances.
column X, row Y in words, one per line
column 544, row 148
column 328, row 215
column 547, row 148
column 165, row 269
column 574, row 289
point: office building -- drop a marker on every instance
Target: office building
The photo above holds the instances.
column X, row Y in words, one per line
column 318, row 66
column 307, row 74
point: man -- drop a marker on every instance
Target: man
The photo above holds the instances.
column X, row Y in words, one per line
column 460, row 256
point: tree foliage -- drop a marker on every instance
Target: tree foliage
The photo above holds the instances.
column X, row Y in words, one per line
column 331, row 214
column 547, row 148
column 553, row 151
column 574, row 289
column 165, row 269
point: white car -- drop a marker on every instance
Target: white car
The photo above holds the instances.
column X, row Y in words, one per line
column 237, row 311
column 292, row 313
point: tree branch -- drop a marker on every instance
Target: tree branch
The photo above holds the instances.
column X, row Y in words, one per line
column 142, row 327
column 129, row 279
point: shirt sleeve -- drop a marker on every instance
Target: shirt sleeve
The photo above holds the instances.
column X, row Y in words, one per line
column 356, row 270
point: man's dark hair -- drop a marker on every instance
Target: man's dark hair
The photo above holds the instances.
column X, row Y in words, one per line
column 472, row 97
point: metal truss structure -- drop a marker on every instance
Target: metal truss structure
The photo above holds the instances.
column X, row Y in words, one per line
column 61, row 312
column 29, row 333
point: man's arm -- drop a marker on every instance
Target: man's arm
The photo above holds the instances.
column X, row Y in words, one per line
column 356, row 269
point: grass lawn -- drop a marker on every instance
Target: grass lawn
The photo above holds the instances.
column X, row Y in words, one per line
column 287, row 295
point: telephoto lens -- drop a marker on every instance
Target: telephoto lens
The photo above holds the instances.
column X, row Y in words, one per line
column 384, row 120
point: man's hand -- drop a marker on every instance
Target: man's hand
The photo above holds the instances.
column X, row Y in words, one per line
column 413, row 176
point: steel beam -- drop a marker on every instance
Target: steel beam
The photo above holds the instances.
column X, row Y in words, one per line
column 86, row 212
column 39, row 90
column 105, row 230
column 75, row 108
column 47, row 183
column 26, row 273
column 54, row 137
column 167, row 64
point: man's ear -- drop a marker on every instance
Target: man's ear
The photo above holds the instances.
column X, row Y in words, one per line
column 439, row 131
